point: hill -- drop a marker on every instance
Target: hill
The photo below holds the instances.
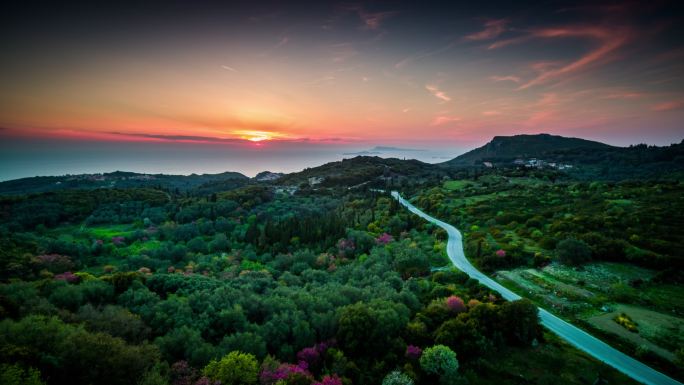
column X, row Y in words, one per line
column 508, row 148
column 578, row 158
column 121, row 179
column 364, row 170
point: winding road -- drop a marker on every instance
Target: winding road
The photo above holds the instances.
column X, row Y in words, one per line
column 575, row 336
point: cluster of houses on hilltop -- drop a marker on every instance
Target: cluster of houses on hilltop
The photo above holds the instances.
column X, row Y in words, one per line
column 106, row 177
column 534, row 163
column 540, row 163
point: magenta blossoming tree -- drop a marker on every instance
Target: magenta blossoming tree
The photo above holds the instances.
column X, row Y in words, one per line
column 68, row 277
column 413, row 352
column 384, row 239
column 329, row 380
column 455, row 304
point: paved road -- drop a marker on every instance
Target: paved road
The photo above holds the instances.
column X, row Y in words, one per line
column 575, row 336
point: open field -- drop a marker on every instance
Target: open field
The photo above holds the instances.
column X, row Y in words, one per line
column 599, row 292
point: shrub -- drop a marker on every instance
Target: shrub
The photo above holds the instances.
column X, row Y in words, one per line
column 397, row 378
column 623, row 320
column 573, row 252
column 16, row 375
column 234, row 368
column 441, row 361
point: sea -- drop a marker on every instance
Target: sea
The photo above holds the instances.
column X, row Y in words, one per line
column 28, row 158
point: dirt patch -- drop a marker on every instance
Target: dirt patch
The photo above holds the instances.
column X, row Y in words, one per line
column 560, row 286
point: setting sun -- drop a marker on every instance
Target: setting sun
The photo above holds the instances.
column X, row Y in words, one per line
column 256, row 136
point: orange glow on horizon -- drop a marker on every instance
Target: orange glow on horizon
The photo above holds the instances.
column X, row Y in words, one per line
column 257, row 136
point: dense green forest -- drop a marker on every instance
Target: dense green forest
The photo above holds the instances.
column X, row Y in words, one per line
column 253, row 285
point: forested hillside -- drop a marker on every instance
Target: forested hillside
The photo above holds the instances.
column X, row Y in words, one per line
column 251, row 285
column 577, row 158
column 119, row 179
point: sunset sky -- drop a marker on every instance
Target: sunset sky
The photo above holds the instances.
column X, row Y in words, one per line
column 338, row 74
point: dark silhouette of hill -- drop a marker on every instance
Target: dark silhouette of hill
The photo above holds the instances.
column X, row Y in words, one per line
column 508, row 148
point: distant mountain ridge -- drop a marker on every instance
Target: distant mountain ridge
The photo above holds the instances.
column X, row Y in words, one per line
column 594, row 160
column 508, row 148
column 123, row 179
column 590, row 160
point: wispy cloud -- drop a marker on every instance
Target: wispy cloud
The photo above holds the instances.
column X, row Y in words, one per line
column 408, row 60
column 507, row 42
column 608, row 41
column 510, row 78
column 322, row 81
column 436, row 92
column 342, row 52
column 491, row 113
column 492, row 29
column 669, row 106
column 371, row 20
column 284, row 40
column 225, row 67
column 177, row 138
column 625, row 95
column 444, row 119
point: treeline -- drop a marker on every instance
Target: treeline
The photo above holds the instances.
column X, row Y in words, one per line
column 512, row 222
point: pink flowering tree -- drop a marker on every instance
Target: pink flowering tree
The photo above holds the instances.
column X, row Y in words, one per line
column 68, row 277
column 313, row 356
column 329, row 380
column 384, row 239
column 284, row 372
column 346, row 248
column 501, row 253
column 183, row 374
column 413, row 352
column 54, row 263
column 455, row 304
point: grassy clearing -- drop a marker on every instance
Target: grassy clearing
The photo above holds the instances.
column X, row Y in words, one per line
column 105, row 232
column 457, row 184
column 542, row 365
column 595, row 294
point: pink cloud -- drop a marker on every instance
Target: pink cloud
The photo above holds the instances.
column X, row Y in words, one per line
column 625, row 95
column 506, row 42
column 374, row 20
column 668, row 106
column 608, row 39
column 492, row 29
column 491, row 113
column 442, row 119
column 371, row 20
column 436, row 92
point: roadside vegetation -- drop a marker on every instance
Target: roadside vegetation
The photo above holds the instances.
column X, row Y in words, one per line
column 605, row 255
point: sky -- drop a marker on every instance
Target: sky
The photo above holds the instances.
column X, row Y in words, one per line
column 103, row 87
